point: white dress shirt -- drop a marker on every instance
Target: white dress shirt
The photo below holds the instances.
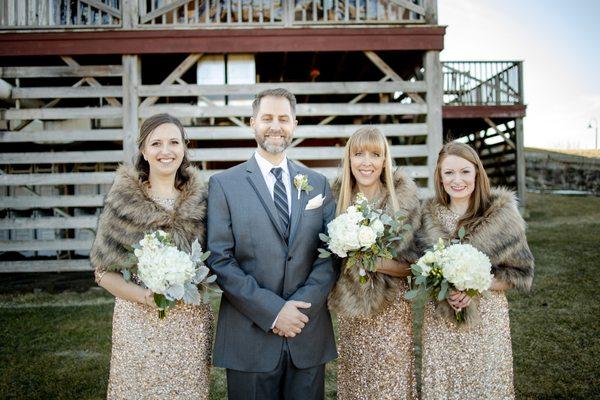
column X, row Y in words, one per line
column 265, row 168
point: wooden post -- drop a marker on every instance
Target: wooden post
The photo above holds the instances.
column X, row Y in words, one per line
column 433, row 79
column 431, row 14
column 131, row 81
column 129, row 12
column 521, row 184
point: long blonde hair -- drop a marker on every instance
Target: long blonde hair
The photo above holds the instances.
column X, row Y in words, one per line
column 371, row 139
column 480, row 198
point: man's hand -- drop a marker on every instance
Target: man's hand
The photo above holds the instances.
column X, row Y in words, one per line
column 290, row 320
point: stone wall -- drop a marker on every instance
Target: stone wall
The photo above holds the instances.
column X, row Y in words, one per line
column 548, row 171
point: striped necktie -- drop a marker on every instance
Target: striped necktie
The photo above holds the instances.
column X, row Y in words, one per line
column 280, row 199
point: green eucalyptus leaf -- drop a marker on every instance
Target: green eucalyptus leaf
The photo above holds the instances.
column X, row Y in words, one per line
column 411, row 294
column 205, row 256
column 324, row 237
column 461, row 233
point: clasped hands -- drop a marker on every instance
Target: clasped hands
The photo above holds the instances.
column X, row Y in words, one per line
column 458, row 300
column 290, row 321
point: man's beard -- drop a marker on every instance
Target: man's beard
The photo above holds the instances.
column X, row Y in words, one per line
column 273, row 148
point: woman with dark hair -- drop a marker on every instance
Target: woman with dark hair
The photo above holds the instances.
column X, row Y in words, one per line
column 473, row 360
column 153, row 358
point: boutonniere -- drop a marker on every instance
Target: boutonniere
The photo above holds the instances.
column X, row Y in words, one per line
column 301, row 183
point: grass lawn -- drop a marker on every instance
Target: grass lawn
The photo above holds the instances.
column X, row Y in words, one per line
column 57, row 346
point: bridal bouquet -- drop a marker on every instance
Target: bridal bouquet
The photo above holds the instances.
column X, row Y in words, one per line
column 361, row 234
column 456, row 267
column 171, row 274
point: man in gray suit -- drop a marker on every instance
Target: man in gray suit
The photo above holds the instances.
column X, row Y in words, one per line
column 274, row 333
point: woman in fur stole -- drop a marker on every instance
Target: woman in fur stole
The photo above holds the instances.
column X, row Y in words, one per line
column 153, row 358
column 376, row 359
column 472, row 361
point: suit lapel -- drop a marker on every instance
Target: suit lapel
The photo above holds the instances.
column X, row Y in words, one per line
column 297, row 204
column 260, row 187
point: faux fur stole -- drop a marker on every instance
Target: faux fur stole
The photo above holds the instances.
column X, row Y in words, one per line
column 500, row 234
column 351, row 298
column 129, row 213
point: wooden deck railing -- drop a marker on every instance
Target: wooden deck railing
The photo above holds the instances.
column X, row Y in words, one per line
column 148, row 14
column 483, row 82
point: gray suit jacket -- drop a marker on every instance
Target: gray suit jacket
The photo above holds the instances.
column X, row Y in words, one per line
column 259, row 272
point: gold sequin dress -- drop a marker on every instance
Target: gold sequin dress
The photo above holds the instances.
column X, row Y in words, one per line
column 376, row 359
column 470, row 364
column 160, row 359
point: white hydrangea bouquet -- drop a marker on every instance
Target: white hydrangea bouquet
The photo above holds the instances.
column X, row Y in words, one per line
column 362, row 234
column 458, row 267
column 171, row 274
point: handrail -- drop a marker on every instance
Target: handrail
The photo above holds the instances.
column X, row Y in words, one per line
column 483, row 82
column 148, row 14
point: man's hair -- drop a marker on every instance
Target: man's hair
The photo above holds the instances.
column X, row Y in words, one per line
column 279, row 92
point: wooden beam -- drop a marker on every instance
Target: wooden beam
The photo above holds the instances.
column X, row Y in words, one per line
column 302, row 110
column 58, row 136
column 37, row 245
column 295, row 87
column 181, row 69
column 478, row 112
column 59, row 157
column 70, row 178
column 61, row 71
column 500, row 133
column 431, row 12
column 27, row 202
column 231, row 40
column 66, row 92
column 90, row 81
column 302, row 132
column 104, row 7
column 130, row 13
column 521, row 178
column 132, row 78
column 435, row 92
column 388, row 71
column 49, row 222
column 409, row 6
column 299, row 153
column 45, row 266
column 63, row 113
column 174, row 4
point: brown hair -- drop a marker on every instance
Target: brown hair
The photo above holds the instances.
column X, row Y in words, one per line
column 149, row 125
column 279, row 92
column 480, row 198
column 365, row 138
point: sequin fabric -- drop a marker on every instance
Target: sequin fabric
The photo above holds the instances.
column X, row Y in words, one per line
column 160, row 359
column 376, row 359
column 467, row 364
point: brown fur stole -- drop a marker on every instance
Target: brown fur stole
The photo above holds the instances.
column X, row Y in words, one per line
column 500, row 234
column 129, row 213
column 351, row 298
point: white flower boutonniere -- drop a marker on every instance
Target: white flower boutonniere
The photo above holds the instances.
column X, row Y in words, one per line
column 301, row 183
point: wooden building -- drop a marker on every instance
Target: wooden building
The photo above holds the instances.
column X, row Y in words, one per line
column 78, row 76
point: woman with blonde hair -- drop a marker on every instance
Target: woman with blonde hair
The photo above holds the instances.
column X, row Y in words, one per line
column 376, row 359
column 474, row 360
column 153, row 358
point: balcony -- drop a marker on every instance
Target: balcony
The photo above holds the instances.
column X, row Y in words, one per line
column 61, row 15
column 483, row 83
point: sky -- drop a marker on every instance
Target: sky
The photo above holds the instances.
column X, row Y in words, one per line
column 559, row 43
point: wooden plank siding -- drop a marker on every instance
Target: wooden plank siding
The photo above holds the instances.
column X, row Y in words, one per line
column 58, row 188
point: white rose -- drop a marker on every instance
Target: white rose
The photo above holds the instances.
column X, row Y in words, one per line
column 377, row 226
column 429, row 258
column 366, row 236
